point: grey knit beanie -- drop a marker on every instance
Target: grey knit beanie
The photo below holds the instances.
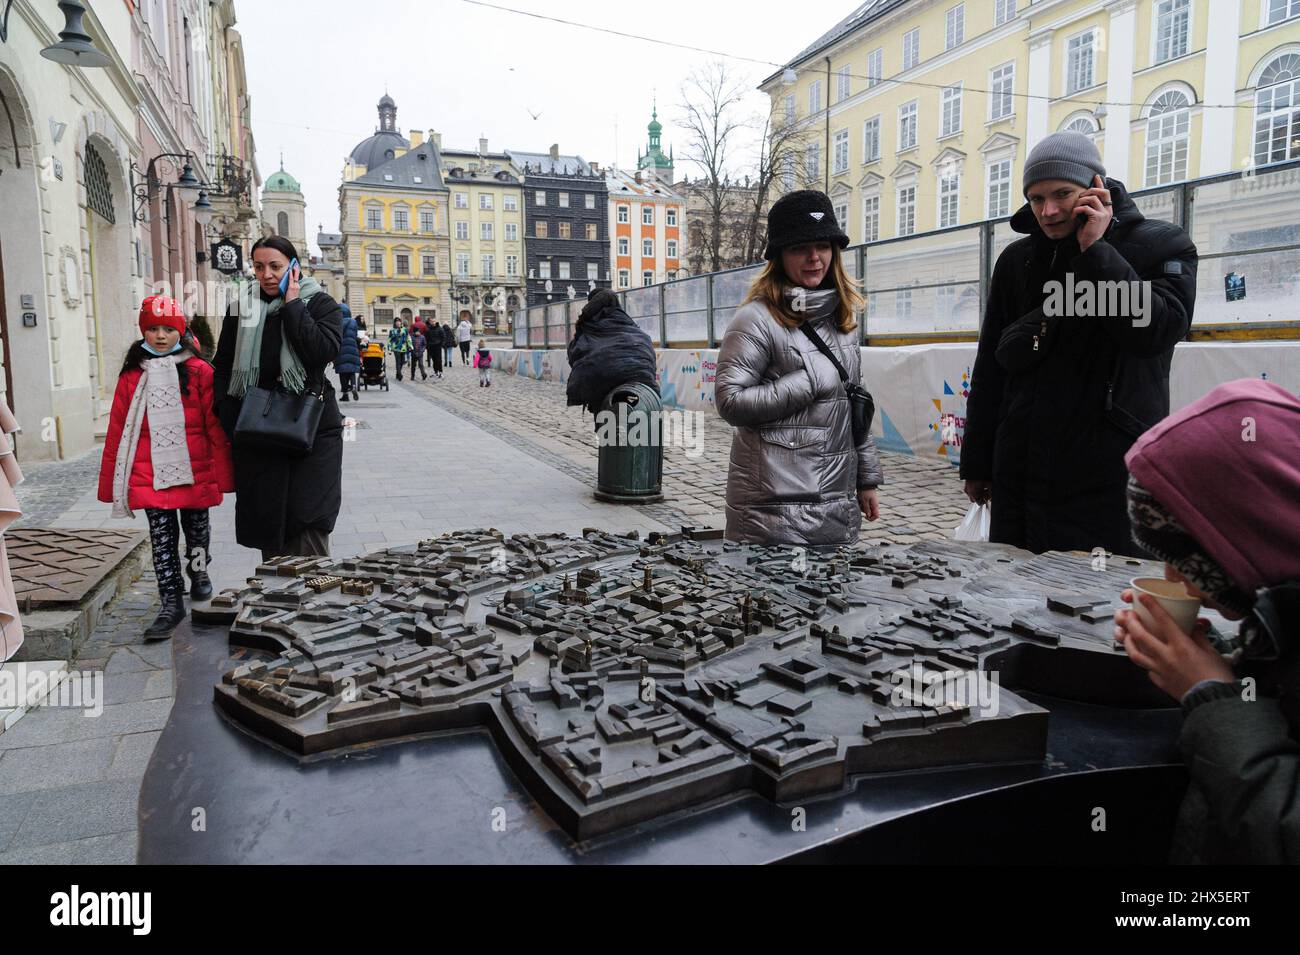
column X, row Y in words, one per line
column 1068, row 155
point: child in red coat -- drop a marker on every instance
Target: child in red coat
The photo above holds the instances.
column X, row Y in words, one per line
column 166, row 452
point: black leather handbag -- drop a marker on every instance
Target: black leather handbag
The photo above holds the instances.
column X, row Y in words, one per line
column 275, row 420
column 862, row 407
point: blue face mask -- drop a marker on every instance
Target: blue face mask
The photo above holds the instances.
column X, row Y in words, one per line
column 161, row 354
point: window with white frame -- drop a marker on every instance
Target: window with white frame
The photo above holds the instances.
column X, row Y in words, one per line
column 1173, row 20
column 402, row 263
column 564, row 270
column 871, row 139
column 544, row 269
column 462, row 230
column 623, row 214
column 950, row 100
column 1003, row 10
column 906, row 210
column 1277, row 111
column 401, row 220
column 903, row 303
column 842, row 84
column 815, row 96
column 647, row 277
column 512, row 231
column 954, row 26
column 647, row 248
column 840, row 155
column 1081, row 124
column 1279, row 10
column 949, row 199
column 842, row 215
column 589, row 200
column 511, row 203
column 671, row 250
column 374, row 218
column 376, row 263
column 672, row 216
column 485, row 200
column 564, row 200
column 789, row 108
column 911, row 48
column 875, row 67
column 593, row 270
column 428, row 264
column 871, row 218
column 1167, row 135
column 593, row 231
column 462, row 200
column 624, row 278
column 907, row 126
column 489, row 265
column 485, row 231
column 512, row 265
column 539, row 197
column 462, row 264
column 999, row 188
column 624, row 245
column 647, row 214
column 813, row 162
column 787, row 172
column 541, row 229
column 426, row 220
column 1002, row 82
column 564, row 230
column 1079, row 62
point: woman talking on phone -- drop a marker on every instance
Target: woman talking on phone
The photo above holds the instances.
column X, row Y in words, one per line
column 273, row 350
column 798, row 473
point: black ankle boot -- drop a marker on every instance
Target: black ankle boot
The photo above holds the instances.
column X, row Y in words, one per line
column 200, row 586
column 172, row 613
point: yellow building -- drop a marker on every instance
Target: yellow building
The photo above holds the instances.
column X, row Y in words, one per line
column 394, row 223
column 913, row 114
column 487, row 235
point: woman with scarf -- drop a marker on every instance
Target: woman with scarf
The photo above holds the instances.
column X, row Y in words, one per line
column 165, row 452
column 796, row 476
column 284, row 504
column 1214, row 491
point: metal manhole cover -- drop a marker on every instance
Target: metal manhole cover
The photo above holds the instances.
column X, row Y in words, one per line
column 60, row 565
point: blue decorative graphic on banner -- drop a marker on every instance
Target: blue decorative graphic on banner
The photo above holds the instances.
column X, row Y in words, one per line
column 892, row 440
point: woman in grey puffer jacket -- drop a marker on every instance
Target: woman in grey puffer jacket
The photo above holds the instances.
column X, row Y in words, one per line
column 795, row 476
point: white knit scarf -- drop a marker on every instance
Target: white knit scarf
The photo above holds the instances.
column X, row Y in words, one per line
column 157, row 392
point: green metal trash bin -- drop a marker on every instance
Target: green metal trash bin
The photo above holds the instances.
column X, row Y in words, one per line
column 629, row 430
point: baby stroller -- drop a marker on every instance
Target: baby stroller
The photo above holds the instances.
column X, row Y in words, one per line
column 374, row 370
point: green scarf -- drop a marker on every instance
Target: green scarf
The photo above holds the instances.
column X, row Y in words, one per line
column 248, row 344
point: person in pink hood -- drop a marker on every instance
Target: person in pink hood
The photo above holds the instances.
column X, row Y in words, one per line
column 1214, row 491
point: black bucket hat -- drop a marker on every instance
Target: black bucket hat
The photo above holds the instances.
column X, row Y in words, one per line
column 800, row 217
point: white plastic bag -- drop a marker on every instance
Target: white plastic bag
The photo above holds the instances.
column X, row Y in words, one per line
column 975, row 525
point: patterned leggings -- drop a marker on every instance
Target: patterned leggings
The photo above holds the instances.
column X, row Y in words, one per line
column 164, row 536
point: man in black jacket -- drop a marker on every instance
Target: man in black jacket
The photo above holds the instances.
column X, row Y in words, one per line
column 1074, row 354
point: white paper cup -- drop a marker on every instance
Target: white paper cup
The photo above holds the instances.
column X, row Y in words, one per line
column 1173, row 596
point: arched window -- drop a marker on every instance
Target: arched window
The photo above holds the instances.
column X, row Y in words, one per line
column 1167, row 135
column 99, row 191
column 1081, row 124
column 282, row 224
column 1277, row 111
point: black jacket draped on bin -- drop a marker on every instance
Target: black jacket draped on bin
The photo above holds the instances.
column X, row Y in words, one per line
column 1049, row 426
column 277, row 496
column 608, row 350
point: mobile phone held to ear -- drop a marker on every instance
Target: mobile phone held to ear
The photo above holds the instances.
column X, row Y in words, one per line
column 284, row 279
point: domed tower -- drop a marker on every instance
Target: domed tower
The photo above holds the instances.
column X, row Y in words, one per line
column 284, row 210
column 373, row 151
column 653, row 159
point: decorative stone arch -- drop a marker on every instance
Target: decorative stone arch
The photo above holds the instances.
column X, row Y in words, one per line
column 111, row 288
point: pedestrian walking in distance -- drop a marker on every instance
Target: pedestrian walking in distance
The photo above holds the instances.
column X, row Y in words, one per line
column 797, row 475
column 433, row 345
column 348, row 363
column 464, row 333
column 417, row 352
column 448, row 344
column 399, row 343
column 165, row 452
column 1057, row 399
column 285, row 502
column 483, row 362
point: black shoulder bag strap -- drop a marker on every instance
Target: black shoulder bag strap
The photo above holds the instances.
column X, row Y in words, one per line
column 862, row 407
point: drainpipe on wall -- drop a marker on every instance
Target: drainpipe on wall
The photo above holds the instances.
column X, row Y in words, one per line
column 826, row 157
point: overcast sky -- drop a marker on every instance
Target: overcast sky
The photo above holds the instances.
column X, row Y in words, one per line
column 316, row 70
